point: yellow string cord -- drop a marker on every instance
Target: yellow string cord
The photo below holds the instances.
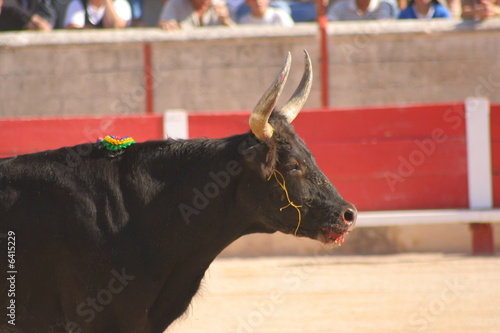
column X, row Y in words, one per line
column 282, row 184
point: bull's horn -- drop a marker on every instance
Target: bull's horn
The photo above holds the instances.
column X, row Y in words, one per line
column 260, row 114
column 292, row 108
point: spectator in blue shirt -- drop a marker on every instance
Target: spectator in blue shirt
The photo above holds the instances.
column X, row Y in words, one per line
column 424, row 9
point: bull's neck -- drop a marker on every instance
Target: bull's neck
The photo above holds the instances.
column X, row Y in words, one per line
column 202, row 188
column 210, row 200
column 196, row 212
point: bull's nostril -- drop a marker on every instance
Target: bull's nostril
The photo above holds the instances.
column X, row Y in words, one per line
column 349, row 216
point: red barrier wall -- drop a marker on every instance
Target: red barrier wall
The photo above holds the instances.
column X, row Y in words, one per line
column 24, row 136
column 379, row 158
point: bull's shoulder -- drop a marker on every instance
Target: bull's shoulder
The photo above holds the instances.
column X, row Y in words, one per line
column 80, row 185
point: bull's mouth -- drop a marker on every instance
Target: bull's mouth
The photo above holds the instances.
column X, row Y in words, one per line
column 331, row 236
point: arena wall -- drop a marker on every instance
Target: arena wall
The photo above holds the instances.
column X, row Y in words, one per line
column 222, row 69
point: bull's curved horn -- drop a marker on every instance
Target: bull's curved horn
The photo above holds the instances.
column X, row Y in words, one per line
column 292, row 108
column 260, row 114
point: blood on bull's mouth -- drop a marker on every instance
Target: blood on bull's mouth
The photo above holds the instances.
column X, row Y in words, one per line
column 333, row 236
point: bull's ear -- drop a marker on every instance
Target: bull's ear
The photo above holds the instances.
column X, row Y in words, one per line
column 271, row 159
column 261, row 156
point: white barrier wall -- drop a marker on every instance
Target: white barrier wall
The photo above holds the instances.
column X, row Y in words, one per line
column 371, row 63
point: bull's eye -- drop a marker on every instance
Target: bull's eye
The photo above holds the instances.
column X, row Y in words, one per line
column 293, row 166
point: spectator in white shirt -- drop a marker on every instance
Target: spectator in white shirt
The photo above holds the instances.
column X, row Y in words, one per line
column 261, row 13
column 98, row 14
column 179, row 14
column 352, row 10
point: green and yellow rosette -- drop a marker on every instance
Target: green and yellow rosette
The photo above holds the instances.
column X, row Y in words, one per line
column 112, row 143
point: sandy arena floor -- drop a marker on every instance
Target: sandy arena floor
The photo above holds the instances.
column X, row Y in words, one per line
column 355, row 294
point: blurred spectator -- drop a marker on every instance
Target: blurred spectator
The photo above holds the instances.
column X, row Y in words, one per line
column 136, row 6
column 424, row 9
column 454, row 7
column 98, row 14
column 402, row 4
column 178, row 14
column 13, row 18
column 37, row 22
column 149, row 12
column 351, row 10
column 263, row 14
column 234, row 6
column 480, row 9
column 299, row 10
column 27, row 5
column 21, row 17
column 52, row 12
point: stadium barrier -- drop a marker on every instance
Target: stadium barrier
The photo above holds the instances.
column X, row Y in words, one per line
column 401, row 165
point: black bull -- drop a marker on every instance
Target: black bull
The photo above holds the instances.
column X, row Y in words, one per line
column 118, row 241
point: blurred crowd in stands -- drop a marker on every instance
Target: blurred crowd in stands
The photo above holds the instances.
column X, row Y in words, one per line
column 46, row 15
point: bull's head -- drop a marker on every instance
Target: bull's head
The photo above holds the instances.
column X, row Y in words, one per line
column 300, row 199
